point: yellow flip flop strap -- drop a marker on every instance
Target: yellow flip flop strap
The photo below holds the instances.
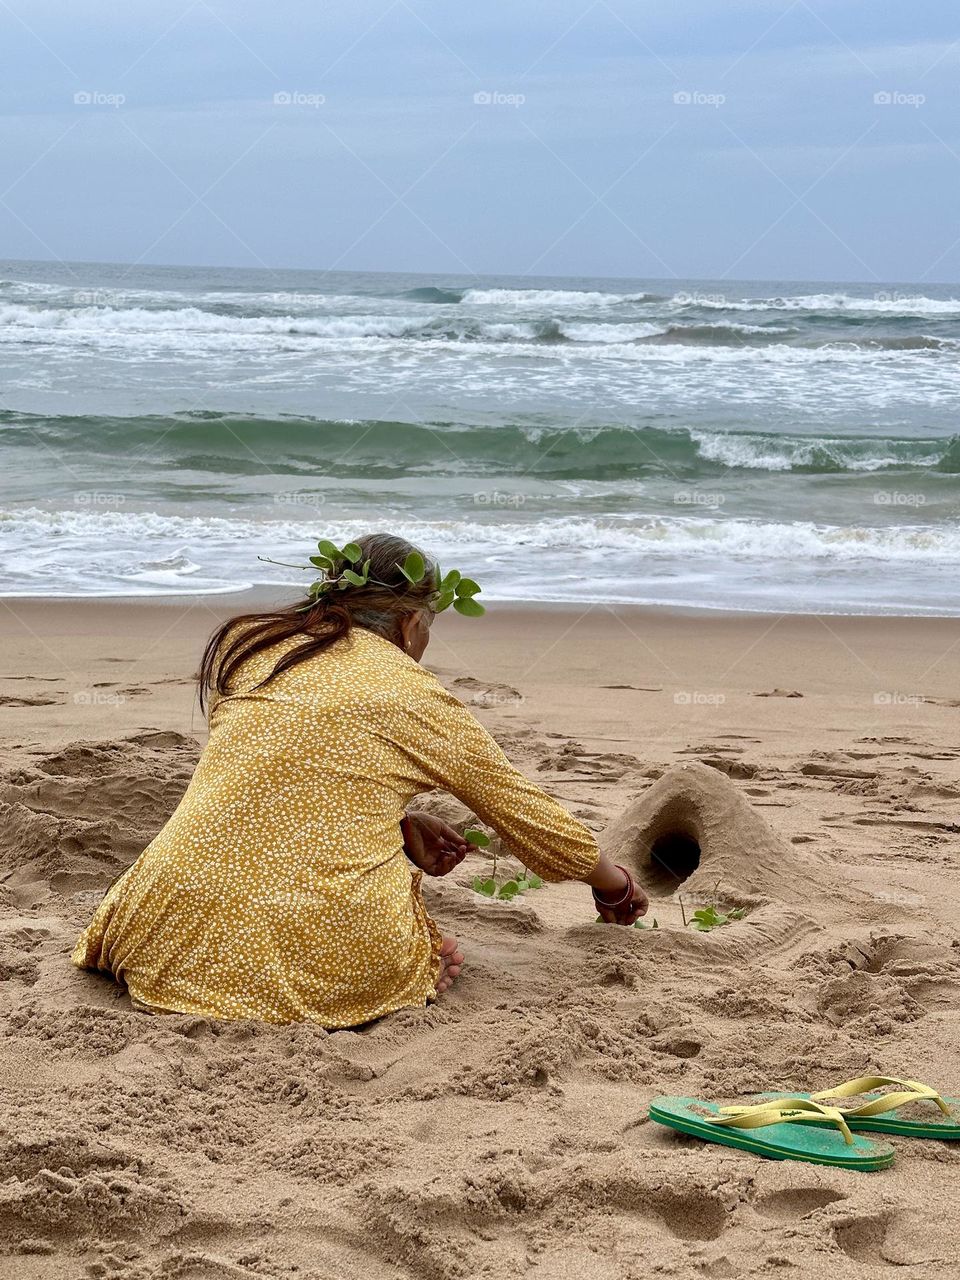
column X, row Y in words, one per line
column 911, row 1091
column 783, row 1111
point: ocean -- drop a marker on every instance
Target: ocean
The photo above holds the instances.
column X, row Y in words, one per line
column 772, row 446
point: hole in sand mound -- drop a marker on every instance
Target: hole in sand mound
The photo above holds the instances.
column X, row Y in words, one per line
column 674, row 856
column 693, row 829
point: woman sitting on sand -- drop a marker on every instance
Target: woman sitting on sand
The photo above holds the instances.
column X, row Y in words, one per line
column 279, row 887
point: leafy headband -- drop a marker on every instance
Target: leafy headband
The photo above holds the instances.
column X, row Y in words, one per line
column 339, row 565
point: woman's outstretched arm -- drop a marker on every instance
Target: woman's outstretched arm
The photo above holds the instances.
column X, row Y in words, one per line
column 459, row 755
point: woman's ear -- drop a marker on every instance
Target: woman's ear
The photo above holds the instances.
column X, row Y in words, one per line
column 408, row 626
column 414, row 633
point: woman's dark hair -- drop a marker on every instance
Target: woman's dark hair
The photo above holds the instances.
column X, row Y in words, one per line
column 378, row 606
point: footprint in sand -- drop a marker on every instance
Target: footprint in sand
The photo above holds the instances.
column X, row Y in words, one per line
column 486, row 693
column 38, row 700
column 598, row 766
column 796, row 1202
column 733, row 768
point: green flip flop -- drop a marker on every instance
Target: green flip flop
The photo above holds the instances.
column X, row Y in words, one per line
column 771, row 1130
column 865, row 1109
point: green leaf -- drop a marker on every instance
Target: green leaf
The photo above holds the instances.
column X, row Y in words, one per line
column 469, row 608
column 328, row 549
column 443, row 601
column 354, row 579
column 449, row 582
column 487, row 887
column 351, row 552
column 414, row 567
column 708, row 915
column 321, row 562
column 509, row 890
column 478, row 838
column 535, row 882
column 467, row 587
column 707, row 918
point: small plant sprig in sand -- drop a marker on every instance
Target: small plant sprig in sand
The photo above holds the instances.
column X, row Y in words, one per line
column 487, row 885
column 707, row 918
column 711, row 917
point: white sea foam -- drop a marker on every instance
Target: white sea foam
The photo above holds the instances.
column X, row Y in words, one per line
column 191, row 329
column 787, row 453
column 700, row 559
column 562, row 298
column 610, row 333
column 690, row 535
column 889, row 304
column 194, row 320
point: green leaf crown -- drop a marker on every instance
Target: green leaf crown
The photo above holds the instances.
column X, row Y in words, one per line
column 342, row 569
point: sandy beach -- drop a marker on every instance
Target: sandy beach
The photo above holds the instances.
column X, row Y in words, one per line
column 503, row 1131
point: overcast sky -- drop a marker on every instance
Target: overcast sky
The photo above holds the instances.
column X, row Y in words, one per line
column 699, row 138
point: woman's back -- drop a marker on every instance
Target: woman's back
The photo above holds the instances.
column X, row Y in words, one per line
column 286, row 845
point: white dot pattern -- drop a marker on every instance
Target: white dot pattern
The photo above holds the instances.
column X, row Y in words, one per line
column 279, row 888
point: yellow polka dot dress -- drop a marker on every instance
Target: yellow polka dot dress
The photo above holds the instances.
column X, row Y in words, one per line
column 279, row 888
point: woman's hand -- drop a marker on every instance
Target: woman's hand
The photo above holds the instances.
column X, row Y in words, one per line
column 618, row 899
column 431, row 844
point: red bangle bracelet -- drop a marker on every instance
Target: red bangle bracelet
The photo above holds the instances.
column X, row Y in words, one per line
column 628, row 894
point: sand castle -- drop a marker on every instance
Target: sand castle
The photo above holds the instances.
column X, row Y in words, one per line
column 693, row 828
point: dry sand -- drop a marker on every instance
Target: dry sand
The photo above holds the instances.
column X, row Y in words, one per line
column 502, row 1132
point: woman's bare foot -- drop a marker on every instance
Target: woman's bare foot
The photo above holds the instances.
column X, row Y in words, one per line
column 450, row 962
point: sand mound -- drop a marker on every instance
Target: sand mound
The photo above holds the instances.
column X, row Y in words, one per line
column 693, row 830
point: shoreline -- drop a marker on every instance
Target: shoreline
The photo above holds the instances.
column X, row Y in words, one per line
column 266, row 596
